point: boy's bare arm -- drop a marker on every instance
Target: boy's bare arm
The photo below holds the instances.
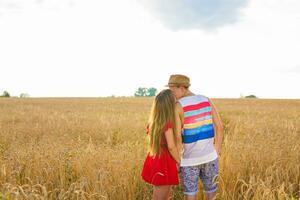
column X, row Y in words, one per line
column 218, row 127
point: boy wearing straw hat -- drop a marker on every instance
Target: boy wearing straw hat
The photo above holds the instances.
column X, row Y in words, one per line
column 200, row 134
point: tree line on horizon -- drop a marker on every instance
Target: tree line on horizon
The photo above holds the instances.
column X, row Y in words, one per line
column 140, row 92
column 7, row 95
column 150, row 92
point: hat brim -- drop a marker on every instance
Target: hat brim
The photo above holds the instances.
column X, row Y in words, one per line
column 177, row 84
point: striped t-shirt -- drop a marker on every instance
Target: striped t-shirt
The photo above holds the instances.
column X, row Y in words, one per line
column 198, row 131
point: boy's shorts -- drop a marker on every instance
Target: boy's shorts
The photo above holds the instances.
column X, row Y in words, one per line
column 207, row 172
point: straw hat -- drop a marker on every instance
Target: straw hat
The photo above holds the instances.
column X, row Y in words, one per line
column 178, row 80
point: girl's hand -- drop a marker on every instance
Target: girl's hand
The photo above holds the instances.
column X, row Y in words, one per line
column 178, row 167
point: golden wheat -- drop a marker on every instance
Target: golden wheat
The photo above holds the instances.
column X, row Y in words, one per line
column 93, row 148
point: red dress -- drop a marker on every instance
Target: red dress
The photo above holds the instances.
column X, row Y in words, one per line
column 161, row 169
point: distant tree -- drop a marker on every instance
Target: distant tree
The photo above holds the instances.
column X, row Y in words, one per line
column 24, row 95
column 151, row 92
column 5, row 94
column 251, row 96
column 145, row 92
column 141, row 92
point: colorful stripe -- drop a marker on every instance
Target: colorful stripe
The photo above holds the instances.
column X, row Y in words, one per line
column 197, row 118
column 196, row 106
column 198, row 130
column 201, row 123
column 200, row 136
column 196, row 112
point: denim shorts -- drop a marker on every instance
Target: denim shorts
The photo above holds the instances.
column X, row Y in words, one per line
column 207, row 172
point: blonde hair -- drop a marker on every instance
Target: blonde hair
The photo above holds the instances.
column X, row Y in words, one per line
column 162, row 112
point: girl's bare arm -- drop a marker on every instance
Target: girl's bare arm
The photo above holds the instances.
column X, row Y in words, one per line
column 179, row 122
column 171, row 144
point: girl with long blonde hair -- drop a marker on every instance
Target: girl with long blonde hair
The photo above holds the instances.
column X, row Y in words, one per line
column 160, row 165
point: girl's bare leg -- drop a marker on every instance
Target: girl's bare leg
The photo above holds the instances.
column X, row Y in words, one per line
column 161, row 192
column 170, row 194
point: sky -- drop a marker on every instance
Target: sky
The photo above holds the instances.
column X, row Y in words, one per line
column 92, row 48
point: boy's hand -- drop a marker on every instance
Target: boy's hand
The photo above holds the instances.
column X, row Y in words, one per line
column 218, row 150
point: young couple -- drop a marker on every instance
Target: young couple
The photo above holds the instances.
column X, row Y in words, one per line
column 185, row 135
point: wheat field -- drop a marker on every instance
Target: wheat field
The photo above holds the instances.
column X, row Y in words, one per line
column 93, row 148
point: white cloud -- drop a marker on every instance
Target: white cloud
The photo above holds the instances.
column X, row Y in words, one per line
column 195, row 14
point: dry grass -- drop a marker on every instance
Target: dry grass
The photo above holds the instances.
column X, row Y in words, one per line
column 94, row 149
